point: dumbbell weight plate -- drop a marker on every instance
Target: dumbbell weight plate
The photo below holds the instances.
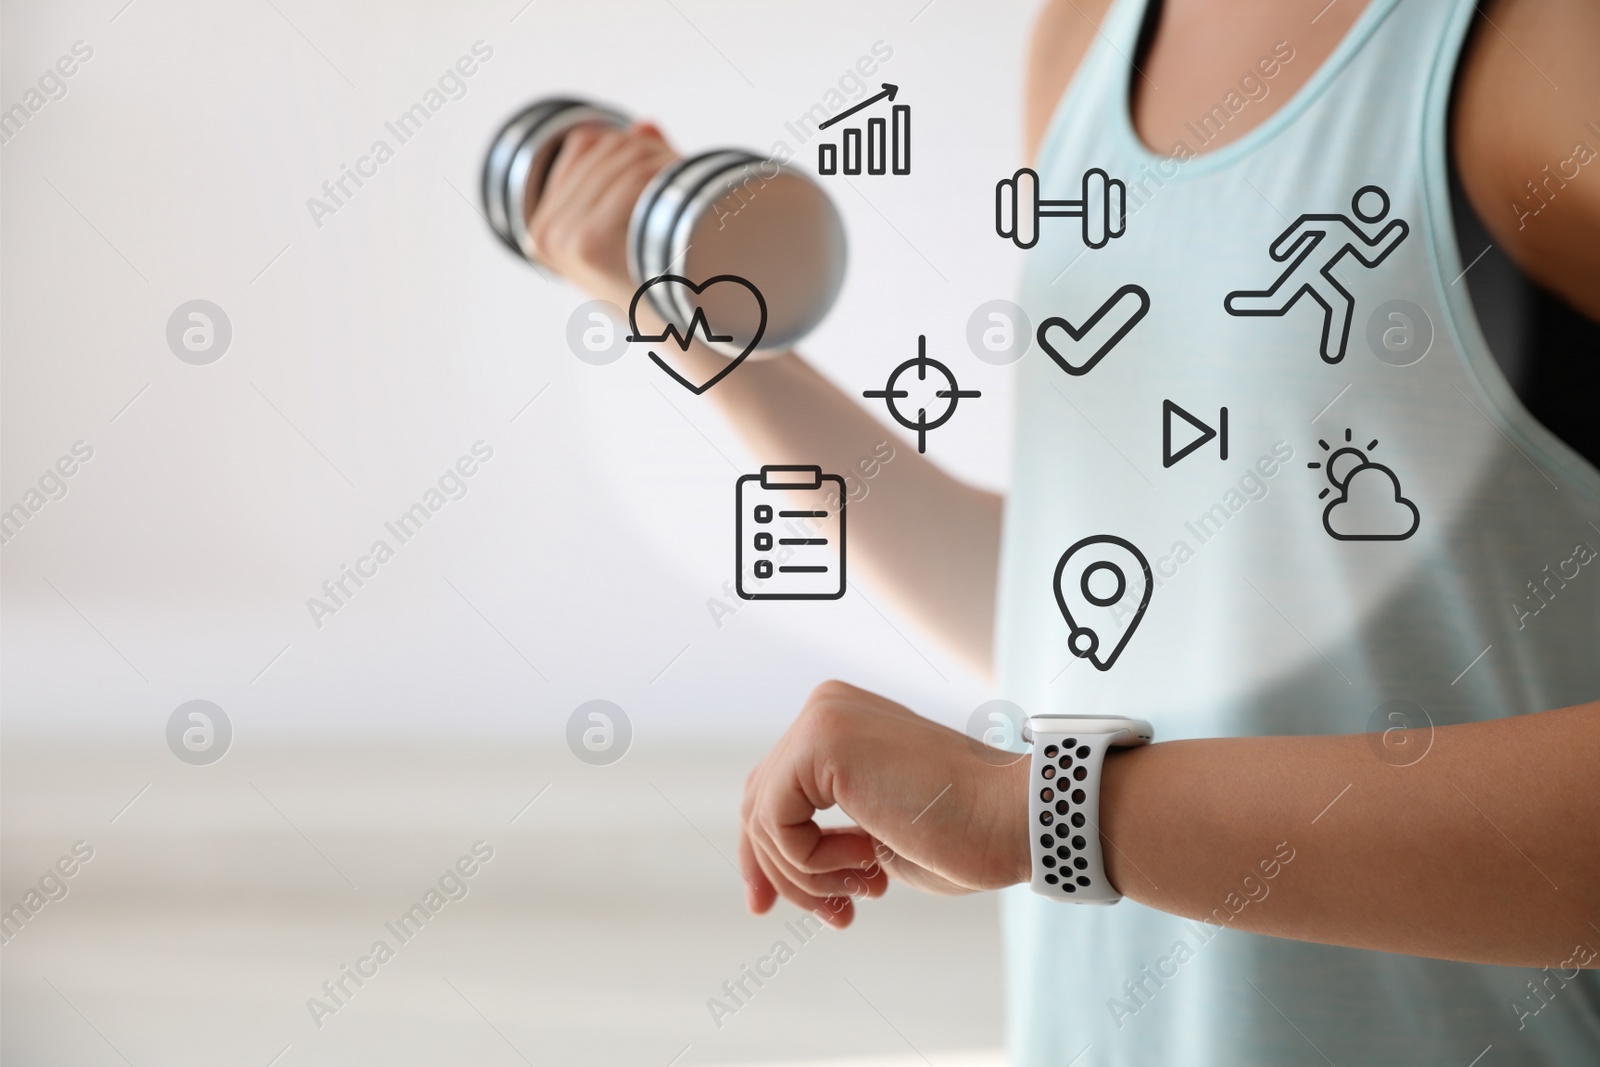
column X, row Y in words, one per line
column 731, row 212
column 1094, row 208
column 1104, row 207
column 664, row 206
column 519, row 160
column 1116, row 207
column 498, row 162
column 1016, row 208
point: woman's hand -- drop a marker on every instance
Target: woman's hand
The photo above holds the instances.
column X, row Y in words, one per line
column 929, row 809
column 580, row 224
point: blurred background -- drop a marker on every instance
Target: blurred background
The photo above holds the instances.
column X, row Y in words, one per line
column 355, row 356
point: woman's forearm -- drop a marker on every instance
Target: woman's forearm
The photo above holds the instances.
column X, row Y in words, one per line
column 924, row 540
column 1486, row 849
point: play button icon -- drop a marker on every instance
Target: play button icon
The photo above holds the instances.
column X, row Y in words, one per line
column 1168, row 410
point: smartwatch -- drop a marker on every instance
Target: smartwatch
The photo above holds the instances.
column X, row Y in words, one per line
column 1064, row 801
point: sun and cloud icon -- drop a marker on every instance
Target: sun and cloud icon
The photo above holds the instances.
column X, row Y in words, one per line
column 1369, row 505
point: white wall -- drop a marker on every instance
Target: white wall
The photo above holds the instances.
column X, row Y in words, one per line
column 367, row 355
column 376, row 348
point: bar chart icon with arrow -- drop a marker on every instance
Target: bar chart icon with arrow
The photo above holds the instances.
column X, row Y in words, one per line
column 888, row 147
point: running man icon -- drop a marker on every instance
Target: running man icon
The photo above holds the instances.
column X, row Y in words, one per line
column 1310, row 274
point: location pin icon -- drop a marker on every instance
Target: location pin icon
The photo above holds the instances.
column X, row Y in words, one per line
column 1103, row 585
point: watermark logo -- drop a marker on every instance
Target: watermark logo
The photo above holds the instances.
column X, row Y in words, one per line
column 1400, row 333
column 1400, row 732
column 599, row 732
column 199, row 732
column 596, row 334
column 999, row 333
column 199, row 332
column 994, row 732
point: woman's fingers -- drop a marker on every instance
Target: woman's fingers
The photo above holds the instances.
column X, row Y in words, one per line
column 607, row 239
column 580, row 150
column 809, row 848
column 835, row 910
column 581, row 218
column 577, row 180
column 789, row 794
column 785, row 819
column 908, row 784
column 832, row 882
column 595, row 177
column 759, row 893
column 850, row 846
column 834, row 862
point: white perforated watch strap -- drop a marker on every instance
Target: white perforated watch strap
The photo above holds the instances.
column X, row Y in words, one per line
column 1064, row 804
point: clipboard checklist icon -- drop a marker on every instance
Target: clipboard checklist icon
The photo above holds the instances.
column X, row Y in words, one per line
column 789, row 534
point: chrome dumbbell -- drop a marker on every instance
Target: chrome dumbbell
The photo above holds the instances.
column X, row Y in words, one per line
column 721, row 212
column 1103, row 208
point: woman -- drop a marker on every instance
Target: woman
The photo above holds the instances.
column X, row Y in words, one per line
column 1299, row 176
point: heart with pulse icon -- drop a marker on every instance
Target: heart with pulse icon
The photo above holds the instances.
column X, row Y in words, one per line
column 1124, row 314
column 736, row 305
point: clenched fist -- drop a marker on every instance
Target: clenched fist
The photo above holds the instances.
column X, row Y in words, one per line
column 579, row 226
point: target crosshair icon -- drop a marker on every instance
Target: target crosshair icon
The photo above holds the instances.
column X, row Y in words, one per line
column 889, row 394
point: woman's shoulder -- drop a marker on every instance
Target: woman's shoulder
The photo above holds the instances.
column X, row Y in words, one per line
column 1527, row 140
column 1062, row 32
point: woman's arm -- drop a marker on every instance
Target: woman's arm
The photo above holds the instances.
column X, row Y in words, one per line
column 1486, row 850
column 1062, row 33
column 1526, row 133
column 927, row 542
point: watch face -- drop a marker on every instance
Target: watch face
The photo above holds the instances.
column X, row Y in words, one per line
column 1138, row 731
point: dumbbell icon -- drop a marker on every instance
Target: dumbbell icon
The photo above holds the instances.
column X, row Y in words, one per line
column 1018, row 209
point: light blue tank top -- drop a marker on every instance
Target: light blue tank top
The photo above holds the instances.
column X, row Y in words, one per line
column 1388, row 536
